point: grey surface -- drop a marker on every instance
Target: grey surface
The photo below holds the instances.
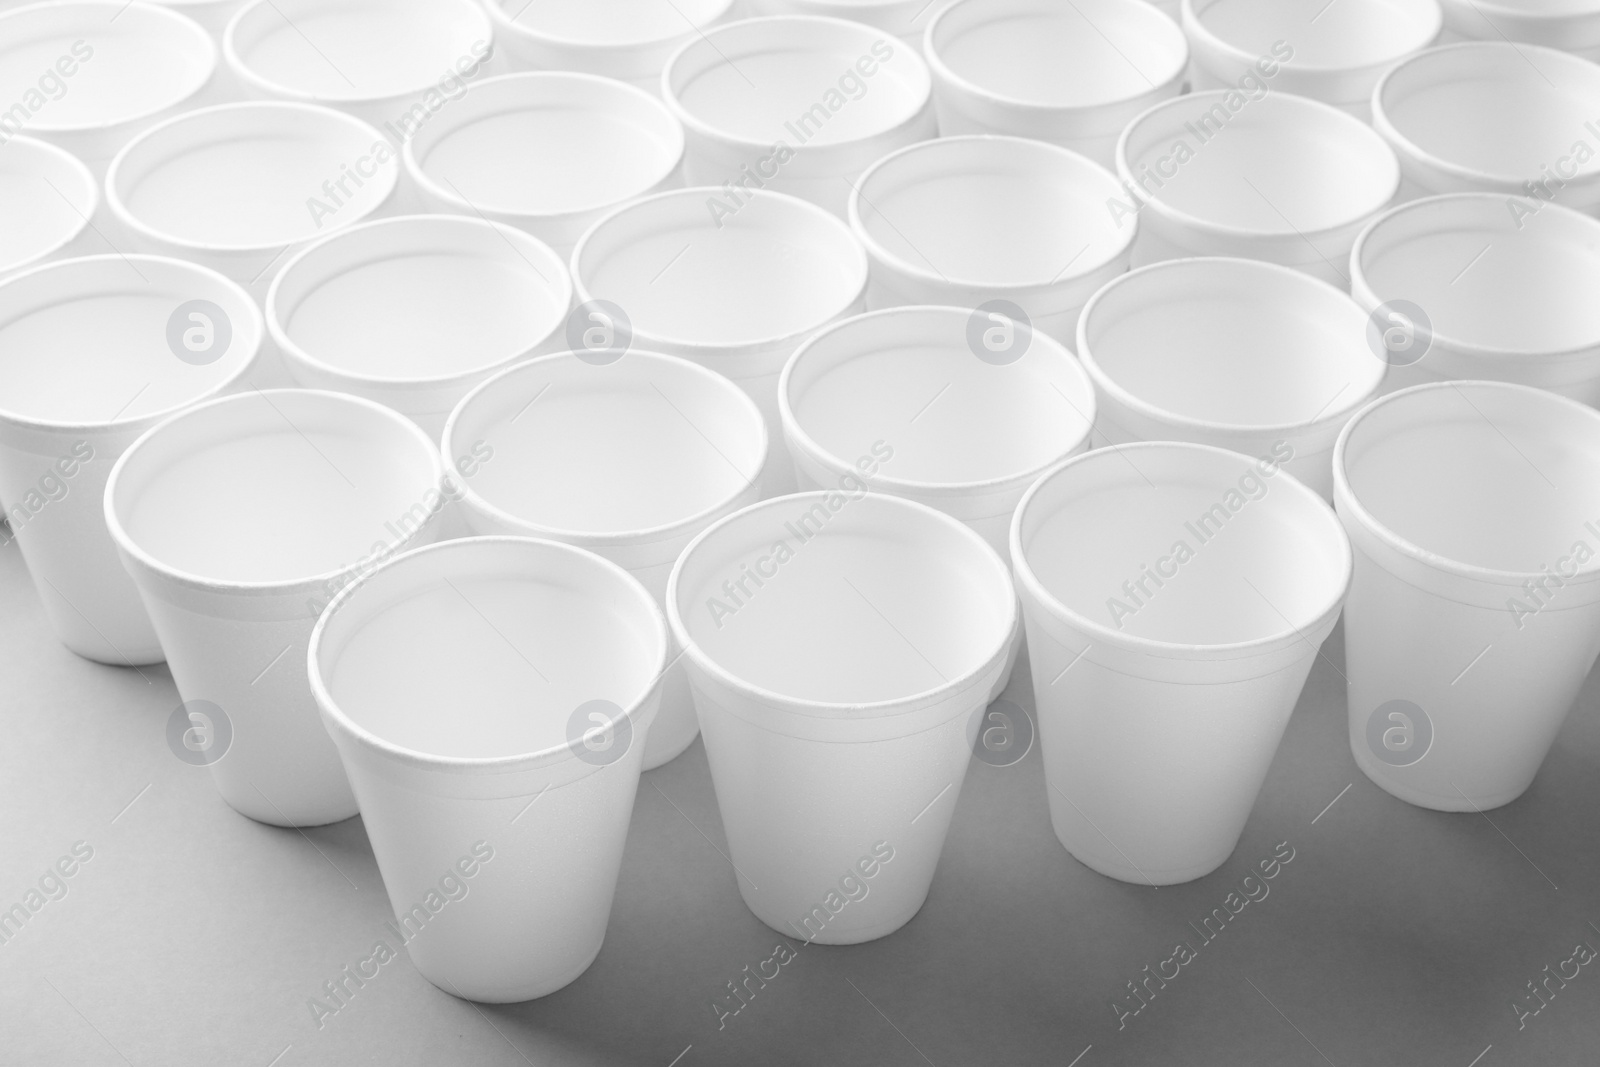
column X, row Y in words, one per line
column 195, row 936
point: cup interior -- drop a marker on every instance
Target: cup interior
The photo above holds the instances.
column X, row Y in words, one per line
column 91, row 64
column 778, row 267
column 1076, row 55
column 1342, row 36
column 1486, row 279
column 862, row 599
column 547, row 143
column 279, row 486
column 46, row 199
column 907, row 384
column 1493, row 108
column 1264, row 163
column 616, row 24
column 486, row 648
column 990, row 211
column 115, row 338
column 1484, row 474
column 251, row 176
column 1184, row 545
column 354, row 50
column 1230, row 342
column 645, row 443
column 421, row 298
column 798, row 80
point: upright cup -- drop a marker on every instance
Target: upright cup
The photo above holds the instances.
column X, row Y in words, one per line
column 414, row 311
column 629, row 41
column 1339, row 52
column 462, row 683
column 1569, row 27
column 1493, row 117
column 550, row 152
column 1474, row 615
column 963, row 221
column 906, row 19
column 236, row 520
column 47, row 197
column 757, row 100
column 1175, row 596
column 88, row 75
column 1479, row 286
column 841, row 647
column 735, row 294
column 1236, row 353
column 1071, row 74
column 629, row 460
column 1293, row 181
column 94, row 352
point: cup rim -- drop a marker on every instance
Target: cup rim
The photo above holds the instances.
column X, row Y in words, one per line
column 792, row 424
column 900, row 265
column 124, row 215
column 1347, row 498
column 126, row 543
column 419, row 174
column 294, row 351
column 426, row 761
column 1193, row 23
column 824, row 219
column 253, row 313
column 820, row 709
column 84, row 174
column 1098, row 632
column 617, row 538
column 502, row 22
column 1103, row 380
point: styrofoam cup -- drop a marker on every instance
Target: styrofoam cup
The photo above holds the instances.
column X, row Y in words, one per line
column 549, row 152
column 1244, row 355
column 47, row 199
column 487, row 697
column 88, row 75
column 240, row 186
column 906, row 19
column 1571, row 27
column 237, row 519
column 1339, row 51
column 629, row 460
column 414, row 311
column 736, row 294
column 1474, row 616
column 394, row 62
column 962, row 221
column 1485, row 287
column 795, row 104
column 93, row 352
column 1491, row 116
column 1293, row 181
column 1072, row 74
column 1175, row 597
column 629, row 40
column 841, row 647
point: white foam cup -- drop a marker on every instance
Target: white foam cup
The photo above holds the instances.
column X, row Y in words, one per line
column 629, row 459
column 1175, row 596
column 906, row 19
column 47, row 199
column 628, row 40
column 1264, row 175
column 549, row 152
column 736, row 294
column 1571, row 27
column 238, row 520
column 1237, row 353
column 239, row 187
column 841, row 647
column 488, row 697
column 1492, row 116
column 88, row 75
column 1335, row 54
column 93, row 352
column 414, row 311
column 1474, row 616
column 796, row 104
column 1071, row 74
column 962, row 221
column 1481, row 286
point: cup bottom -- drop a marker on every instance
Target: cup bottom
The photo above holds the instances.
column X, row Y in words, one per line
column 830, row 936
column 1124, row 871
column 100, row 652
column 1380, row 776
column 292, row 818
column 507, row 995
